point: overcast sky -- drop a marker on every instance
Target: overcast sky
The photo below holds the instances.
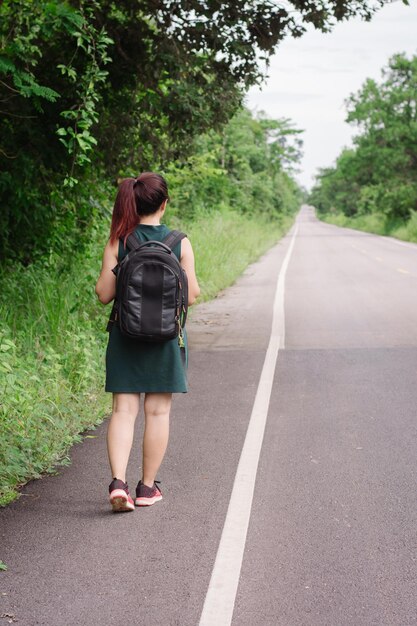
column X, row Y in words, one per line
column 310, row 77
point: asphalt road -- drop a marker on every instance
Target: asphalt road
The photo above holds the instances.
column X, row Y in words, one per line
column 332, row 537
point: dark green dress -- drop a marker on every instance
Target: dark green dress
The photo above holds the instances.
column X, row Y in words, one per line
column 134, row 366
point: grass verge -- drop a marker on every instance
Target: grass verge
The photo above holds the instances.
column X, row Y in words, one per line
column 53, row 340
column 377, row 223
column 227, row 243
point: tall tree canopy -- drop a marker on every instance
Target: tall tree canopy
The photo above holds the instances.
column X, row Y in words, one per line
column 126, row 84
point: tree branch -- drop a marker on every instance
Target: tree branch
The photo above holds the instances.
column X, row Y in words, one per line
column 21, row 117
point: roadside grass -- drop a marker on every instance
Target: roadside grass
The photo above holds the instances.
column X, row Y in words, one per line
column 227, row 243
column 377, row 223
column 53, row 340
column 49, row 368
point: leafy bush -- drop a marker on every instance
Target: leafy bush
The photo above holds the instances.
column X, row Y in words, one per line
column 408, row 232
column 50, row 366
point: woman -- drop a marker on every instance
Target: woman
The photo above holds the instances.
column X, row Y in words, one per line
column 134, row 367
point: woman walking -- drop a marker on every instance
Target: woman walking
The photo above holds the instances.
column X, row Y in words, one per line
column 134, row 367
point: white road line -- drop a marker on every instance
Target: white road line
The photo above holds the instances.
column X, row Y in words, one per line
column 220, row 599
column 400, row 269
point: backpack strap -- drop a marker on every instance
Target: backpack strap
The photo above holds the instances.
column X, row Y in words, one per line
column 132, row 242
column 173, row 238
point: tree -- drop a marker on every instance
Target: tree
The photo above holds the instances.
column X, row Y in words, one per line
column 237, row 167
column 380, row 173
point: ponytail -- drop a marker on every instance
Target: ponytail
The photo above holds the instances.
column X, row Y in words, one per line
column 136, row 197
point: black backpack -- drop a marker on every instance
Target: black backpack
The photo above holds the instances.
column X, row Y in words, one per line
column 151, row 300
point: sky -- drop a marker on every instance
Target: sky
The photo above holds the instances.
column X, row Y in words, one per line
column 310, row 78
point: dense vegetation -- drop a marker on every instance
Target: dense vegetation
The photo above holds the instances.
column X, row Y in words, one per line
column 374, row 184
column 92, row 90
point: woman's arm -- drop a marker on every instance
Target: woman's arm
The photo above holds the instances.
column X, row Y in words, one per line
column 106, row 284
column 187, row 263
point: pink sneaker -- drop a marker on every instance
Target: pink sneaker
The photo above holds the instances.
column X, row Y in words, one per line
column 145, row 496
column 120, row 498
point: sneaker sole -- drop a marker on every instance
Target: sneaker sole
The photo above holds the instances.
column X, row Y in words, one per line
column 147, row 501
column 119, row 501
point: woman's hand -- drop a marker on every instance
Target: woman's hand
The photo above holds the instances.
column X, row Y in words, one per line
column 106, row 284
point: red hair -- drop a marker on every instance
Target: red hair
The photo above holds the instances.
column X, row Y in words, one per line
column 125, row 217
column 136, row 197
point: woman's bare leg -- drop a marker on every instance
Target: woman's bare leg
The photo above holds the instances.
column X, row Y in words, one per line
column 155, row 438
column 120, row 432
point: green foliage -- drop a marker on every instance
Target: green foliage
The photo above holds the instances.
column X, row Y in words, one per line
column 3, row 566
column 379, row 175
column 92, row 87
column 407, row 231
column 242, row 166
column 77, row 137
column 60, row 54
